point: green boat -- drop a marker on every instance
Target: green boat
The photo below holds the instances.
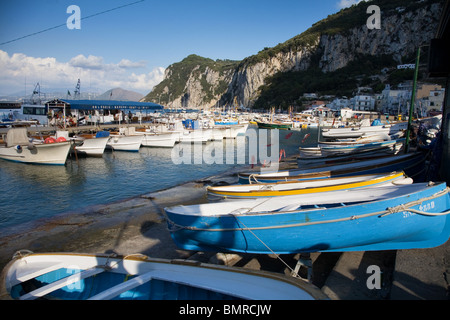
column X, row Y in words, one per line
column 274, row 125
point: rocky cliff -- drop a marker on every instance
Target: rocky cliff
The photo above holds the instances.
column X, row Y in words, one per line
column 328, row 45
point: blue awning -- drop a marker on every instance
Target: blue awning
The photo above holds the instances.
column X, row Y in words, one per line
column 111, row 105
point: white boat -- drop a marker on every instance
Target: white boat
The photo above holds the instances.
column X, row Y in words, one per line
column 356, row 132
column 160, row 140
column 124, row 143
column 19, row 148
column 91, row 145
column 72, row 276
column 125, row 140
column 334, row 148
column 218, row 133
column 236, row 130
column 197, row 135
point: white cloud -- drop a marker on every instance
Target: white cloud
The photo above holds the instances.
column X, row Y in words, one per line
column 125, row 63
column 19, row 68
column 91, row 62
column 347, row 3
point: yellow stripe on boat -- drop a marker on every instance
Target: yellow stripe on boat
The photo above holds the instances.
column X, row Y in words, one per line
column 274, row 193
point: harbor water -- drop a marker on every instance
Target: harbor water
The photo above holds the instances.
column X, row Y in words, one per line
column 33, row 192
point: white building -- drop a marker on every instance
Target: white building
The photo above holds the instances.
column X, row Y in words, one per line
column 364, row 102
column 340, row 103
column 395, row 102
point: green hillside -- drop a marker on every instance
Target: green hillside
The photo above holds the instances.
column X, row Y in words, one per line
column 180, row 73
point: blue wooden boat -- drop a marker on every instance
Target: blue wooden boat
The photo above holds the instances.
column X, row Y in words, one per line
column 412, row 164
column 72, row 276
column 386, row 218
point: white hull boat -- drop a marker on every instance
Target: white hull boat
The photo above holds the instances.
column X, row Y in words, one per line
column 160, row 140
column 125, row 143
column 94, row 147
column 198, row 135
column 336, row 148
column 235, row 130
column 18, row 148
column 356, row 132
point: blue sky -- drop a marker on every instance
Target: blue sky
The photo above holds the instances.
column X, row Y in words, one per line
column 130, row 47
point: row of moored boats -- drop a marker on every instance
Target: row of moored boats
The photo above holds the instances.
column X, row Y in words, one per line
column 18, row 146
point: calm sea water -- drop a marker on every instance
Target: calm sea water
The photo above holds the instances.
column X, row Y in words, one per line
column 31, row 192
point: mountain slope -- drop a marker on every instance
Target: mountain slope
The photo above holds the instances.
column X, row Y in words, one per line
column 194, row 82
column 120, row 95
column 311, row 61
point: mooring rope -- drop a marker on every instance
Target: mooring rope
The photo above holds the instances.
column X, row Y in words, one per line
column 273, row 252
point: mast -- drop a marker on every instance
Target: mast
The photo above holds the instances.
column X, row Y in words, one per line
column 413, row 101
column 77, row 92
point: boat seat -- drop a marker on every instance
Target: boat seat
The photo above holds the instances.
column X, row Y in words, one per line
column 42, row 291
column 123, row 287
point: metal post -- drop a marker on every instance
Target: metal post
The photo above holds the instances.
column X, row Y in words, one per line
column 413, row 101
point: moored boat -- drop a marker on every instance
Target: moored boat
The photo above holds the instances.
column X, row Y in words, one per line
column 348, row 147
column 274, row 125
column 386, row 218
column 160, row 140
column 125, row 140
column 293, row 188
column 412, row 164
column 307, row 161
column 196, row 135
column 71, row 276
column 19, row 148
column 91, row 145
column 353, row 132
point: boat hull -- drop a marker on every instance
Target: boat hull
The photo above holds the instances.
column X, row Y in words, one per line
column 273, row 125
column 411, row 164
column 94, row 147
column 330, row 149
column 47, row 154
column 198, row 135
column 247, row 191
column 125, row 143
column 160, row 140
column 107, row 277
column 358, row 227
column 342, row 133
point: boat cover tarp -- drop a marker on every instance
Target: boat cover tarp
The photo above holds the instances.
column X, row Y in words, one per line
column 102, row 134
column 111, row 105
column 17, row 136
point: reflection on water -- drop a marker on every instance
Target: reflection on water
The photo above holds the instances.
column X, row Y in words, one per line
column 29, row 192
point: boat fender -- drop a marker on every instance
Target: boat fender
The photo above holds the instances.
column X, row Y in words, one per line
column 61, row 139
column 18, row 147
column 50, row 140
